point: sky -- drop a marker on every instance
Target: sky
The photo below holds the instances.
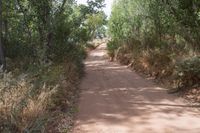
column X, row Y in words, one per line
column 107, row 9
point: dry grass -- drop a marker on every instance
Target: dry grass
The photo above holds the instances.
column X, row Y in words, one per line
column 28, row 103
column 153, row 62
column 20, row 111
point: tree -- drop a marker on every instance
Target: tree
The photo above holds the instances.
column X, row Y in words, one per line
column 155, row 19
column 2, row 57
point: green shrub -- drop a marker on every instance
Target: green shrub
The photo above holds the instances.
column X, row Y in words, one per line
column 112, row 46
column 188, row 72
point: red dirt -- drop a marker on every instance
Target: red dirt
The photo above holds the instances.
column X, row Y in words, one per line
column 116, row 100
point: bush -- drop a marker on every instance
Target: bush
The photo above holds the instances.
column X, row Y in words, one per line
column 112, row 46
column 160, row 64
column 188, row 72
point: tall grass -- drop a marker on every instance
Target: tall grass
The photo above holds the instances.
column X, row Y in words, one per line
column 28, row 102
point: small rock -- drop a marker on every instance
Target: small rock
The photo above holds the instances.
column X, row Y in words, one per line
column 190, row 96
column 198, row 99
column 194, row 91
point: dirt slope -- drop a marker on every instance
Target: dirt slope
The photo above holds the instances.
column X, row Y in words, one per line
column 117, row 100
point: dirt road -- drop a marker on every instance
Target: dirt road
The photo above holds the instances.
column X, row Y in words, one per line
column 116, row 100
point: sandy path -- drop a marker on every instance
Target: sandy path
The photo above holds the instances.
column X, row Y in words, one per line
column 117, row 100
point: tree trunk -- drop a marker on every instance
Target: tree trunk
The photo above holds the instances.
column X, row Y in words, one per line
column 2, row 57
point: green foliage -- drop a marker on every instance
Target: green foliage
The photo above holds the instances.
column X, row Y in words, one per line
column 112, row 48
column 157, row 34
column 155, row 20
column 49, row 29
